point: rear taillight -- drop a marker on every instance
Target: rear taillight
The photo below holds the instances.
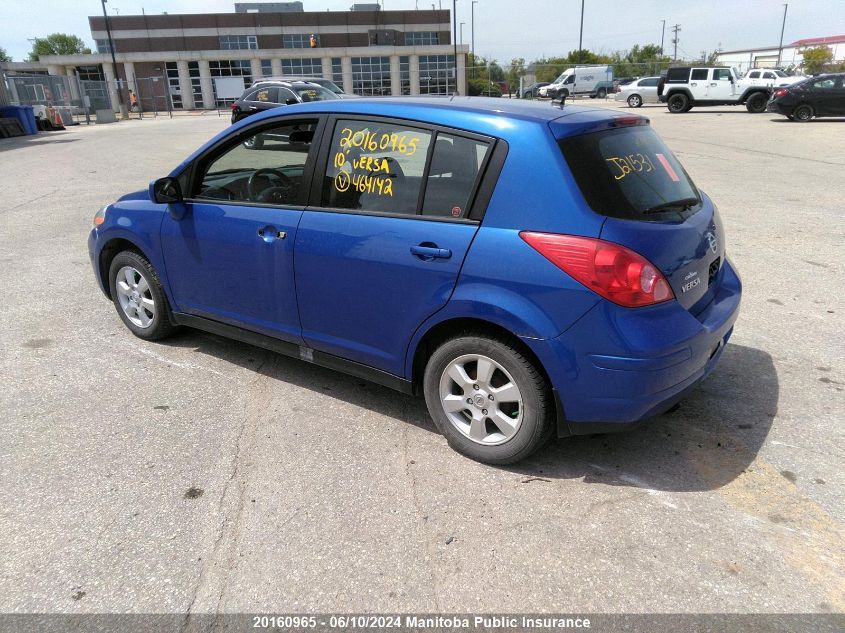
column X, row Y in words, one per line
column 782, row 92
column 612, row 271
column 234, row 106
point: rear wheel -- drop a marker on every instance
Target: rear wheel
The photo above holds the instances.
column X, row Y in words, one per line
column 601, row 93
column 803, row 113
column 488, row 399
column 635, row 101
column 756, row 103
column 678, row 103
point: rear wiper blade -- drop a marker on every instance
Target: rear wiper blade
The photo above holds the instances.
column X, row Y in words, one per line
column 676, row 205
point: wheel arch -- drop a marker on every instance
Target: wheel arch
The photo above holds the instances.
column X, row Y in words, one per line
column 452, row 327
column 108, row 253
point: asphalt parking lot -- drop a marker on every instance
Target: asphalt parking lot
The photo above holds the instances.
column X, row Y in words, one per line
column 201, row 474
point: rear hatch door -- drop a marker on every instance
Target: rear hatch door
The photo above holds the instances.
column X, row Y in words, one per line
column 627, row 174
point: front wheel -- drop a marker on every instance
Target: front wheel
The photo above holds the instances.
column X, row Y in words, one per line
column 488, row 399
column 678, row 103
column 635, row 101
column 803, row 113
column 756, row 103
column 138, row 296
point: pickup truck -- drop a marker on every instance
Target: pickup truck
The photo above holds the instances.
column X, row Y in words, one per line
column 683, row 88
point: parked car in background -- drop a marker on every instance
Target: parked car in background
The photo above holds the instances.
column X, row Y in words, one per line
column 433, row 245
column 533, row 91
column 823, row 95
column 770, row 78
column 328, row 84
column 275, row 93
column 639, row 91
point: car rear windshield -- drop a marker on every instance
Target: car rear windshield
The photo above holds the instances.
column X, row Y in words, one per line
column 629, row 173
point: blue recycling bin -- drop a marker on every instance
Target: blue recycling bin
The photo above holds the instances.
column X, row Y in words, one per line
column 24, row 114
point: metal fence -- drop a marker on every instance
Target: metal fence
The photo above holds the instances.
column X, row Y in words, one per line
column 81, row 97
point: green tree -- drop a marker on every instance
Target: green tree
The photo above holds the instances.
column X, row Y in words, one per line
column 4, row 56
column 57, row 44
column 816, row 58
column 515, row 70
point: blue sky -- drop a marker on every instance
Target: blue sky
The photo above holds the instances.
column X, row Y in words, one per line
column 504, row 28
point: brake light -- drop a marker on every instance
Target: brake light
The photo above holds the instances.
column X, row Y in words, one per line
column 234, row 106
column 782, row 92
column 610, row 270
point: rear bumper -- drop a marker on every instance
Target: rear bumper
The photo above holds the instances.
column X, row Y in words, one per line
column 616, row 366
column 779, row 108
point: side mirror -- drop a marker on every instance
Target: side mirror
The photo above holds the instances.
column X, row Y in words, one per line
column 166, row 191
column 291, row 101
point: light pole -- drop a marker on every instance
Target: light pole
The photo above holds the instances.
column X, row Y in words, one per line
column 113, row 60
column 782, row 27
column 455, row 40
column 581, row 32
column 662, row 37
column 462, row 33
column 472, row 29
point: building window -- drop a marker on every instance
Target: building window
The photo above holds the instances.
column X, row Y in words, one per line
column 103, row 47
column 437, row 74
column 230, row 68
column 91, row 73
column 196, row 83
column 371, row 75
column 421, row 38
column 300, row 40
column 308, row 67
column 405, row 75
column 266, row 68
column 238, row 42
column 173, row 84
column 337, row 71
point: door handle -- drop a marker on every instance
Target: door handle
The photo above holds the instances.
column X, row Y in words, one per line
column 693, row 85
column 714, row 85
column 268, row 234
column 427, row 253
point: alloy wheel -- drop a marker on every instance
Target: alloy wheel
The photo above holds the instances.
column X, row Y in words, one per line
column 135, row 297
column 481, row 399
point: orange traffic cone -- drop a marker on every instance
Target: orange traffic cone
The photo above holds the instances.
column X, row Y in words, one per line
column 57, row 120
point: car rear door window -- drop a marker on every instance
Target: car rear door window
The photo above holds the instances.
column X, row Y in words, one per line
column 699, row 74
column 267, row 168
column 375, row 166
column 629, row 173
column 648, row 82
column 452, row 176
column 285, row 95
column 754, row 75
column 265, row 95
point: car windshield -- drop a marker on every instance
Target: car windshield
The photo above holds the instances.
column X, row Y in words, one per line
column 780, row 73
column 629, row 173
column 313, row 92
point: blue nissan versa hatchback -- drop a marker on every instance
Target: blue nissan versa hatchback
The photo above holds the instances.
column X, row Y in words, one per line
column 528, row 269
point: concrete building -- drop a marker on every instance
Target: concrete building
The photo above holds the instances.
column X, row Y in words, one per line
column 365, row 52
column 767, row 56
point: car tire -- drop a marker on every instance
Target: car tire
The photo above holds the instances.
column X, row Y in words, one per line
column 479, row 423
column 756, row 103
column 635, row 101
column 678, row 103
column 138, row 297
column 803, row 113
column 601, row 93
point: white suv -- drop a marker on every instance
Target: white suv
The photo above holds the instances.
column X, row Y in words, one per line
column 770, row 77
column 686, row 87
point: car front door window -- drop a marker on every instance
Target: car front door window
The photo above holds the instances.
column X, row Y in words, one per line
column 266, row 168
